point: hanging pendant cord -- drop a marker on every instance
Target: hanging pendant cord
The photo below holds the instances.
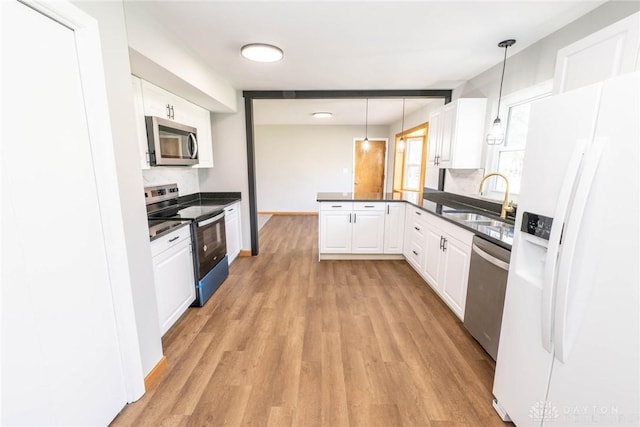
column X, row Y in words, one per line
column 504, row 64
column 366, row 121
column 402, row 131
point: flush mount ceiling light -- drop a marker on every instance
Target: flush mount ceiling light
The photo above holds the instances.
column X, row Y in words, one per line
column 496, row 134
column 322, row 114
column 261, row 52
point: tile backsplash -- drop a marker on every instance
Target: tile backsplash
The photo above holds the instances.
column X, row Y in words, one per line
column 185, row 177
column 463, row 181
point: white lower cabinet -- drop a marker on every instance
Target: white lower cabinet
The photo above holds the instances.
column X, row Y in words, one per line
column 446, row 266
column 173, row 275
column 352, row 228
column 233, row 230
column 394, row 228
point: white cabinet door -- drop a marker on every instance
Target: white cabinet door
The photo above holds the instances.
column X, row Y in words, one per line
column 175, row 284
column 368, row 232
column 202, row 122
column 141, row 130
column 448, row 124
column 394, row 228
column 233, row 230
column 455, row 274
column 456, row 133
column 157, row 101
column 435, row 136
column 335, row 232
column 433, row 254
column 607, row 53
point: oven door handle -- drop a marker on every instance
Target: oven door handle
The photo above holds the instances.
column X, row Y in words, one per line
column 210, row 220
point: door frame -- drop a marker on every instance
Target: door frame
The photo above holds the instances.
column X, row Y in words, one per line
column 89, row 49
column 250, row 95
column 353, row 163
column 406, row 134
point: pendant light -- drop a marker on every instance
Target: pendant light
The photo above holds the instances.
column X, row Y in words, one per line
column 496, row 134
column 365, row 143
column 402, row 144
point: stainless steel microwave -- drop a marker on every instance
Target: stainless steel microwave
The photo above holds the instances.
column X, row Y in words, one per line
column 171, row 143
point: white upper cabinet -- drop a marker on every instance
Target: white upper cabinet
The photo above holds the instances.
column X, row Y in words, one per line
column 607, row 53
column 151, row 100
column 455, row 134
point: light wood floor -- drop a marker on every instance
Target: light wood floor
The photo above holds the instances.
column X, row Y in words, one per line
column 288, row 340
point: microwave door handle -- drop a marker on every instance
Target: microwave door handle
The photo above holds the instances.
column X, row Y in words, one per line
column 192, row 140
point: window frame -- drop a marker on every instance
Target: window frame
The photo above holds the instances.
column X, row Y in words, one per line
column 514, row 99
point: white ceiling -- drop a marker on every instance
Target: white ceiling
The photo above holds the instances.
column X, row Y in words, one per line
column 366, row 45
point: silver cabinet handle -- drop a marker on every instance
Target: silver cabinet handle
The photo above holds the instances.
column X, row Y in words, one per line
column 417, row 228
column 354, row 217
column 414, row 252
column 441, row 244
column 349, row 218
column 444, row 245
column 387, row 209
column 418, row 213
column 336, row 206
column 174, row 239
column 173, row 115
column 369, row 206
column 168, row 111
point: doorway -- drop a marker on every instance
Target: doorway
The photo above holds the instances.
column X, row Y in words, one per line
column 369, row 166
column 410, row 159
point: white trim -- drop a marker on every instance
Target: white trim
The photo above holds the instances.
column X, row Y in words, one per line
column 91, row 67
column 386, row 158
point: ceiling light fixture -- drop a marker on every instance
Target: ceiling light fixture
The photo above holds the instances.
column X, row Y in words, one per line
column 365, row 143
column 496, row 134
column 322, row 114
column 261, row 52
column 401, row 144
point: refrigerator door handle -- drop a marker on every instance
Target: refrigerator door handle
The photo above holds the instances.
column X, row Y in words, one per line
column 562, row 341
column 553, row 249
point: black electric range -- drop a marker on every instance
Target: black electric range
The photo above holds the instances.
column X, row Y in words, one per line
column 208, row 235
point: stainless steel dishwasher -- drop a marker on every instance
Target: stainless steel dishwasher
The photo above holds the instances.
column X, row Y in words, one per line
column 485, row 294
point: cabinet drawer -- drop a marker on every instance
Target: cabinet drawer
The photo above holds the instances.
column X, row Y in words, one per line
column 370, row 206
column 336, row 206
column 174, row 238
column 416, row 255
column 415, row 214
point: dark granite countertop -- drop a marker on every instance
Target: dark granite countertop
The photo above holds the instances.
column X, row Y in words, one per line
column 210, row 199
column 448, row 206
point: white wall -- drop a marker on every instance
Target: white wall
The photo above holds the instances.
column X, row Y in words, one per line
column 294, row 163
column 134, row 216
column 230, row 162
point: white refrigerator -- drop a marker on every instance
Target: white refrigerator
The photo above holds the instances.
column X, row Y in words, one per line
column 569, row 345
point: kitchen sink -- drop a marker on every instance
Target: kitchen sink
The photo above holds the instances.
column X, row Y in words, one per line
column 474, row 218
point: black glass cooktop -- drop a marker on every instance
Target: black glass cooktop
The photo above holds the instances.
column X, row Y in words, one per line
column 188, row 212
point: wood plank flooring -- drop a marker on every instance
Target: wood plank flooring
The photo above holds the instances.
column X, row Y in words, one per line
column 290, row 341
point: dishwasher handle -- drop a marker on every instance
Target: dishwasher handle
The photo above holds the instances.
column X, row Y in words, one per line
column 490, row 258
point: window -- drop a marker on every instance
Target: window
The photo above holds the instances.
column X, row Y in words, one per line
column 509, row 157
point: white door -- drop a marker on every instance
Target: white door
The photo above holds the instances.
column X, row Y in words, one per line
column 61, row 361
column 448, row 134
column 157, row 101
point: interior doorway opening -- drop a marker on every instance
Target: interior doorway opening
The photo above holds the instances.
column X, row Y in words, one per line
column 369, row 166
column 410, row 161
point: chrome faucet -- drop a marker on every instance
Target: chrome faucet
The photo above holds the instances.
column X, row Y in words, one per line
column 506, row 204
